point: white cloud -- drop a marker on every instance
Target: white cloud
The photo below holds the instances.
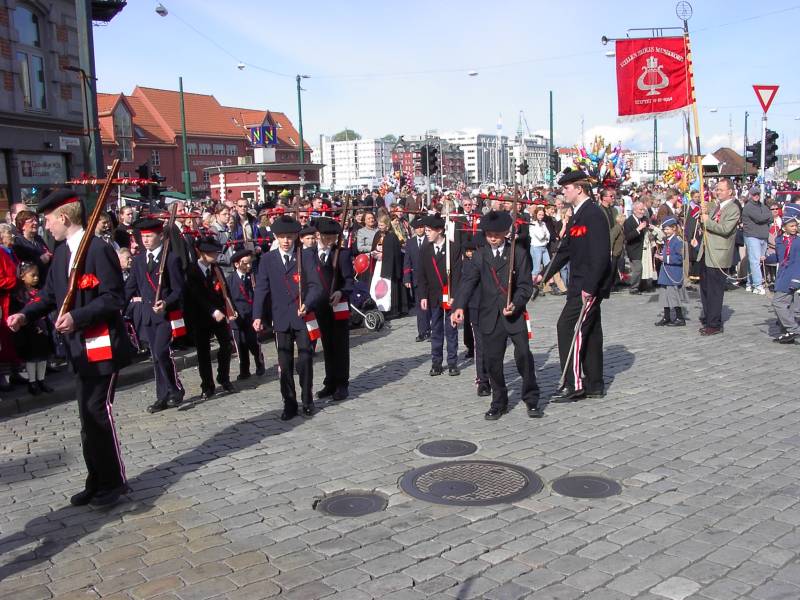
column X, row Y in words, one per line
column 625, row 134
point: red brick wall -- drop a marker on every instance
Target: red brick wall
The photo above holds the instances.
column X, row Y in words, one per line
column 66, row 92
column 8, row 81
column 5, row 48
column 62, row 34
column 4, row 20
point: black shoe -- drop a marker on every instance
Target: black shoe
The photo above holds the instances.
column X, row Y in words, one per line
column 109, row 497
column 666, row 319
column 436, row 370
column 288, row 414
column 241, row 377
column 33, row 389
column 326, row 391
column 786, row 338
column 207, row 394
column 453, row 371
column 484, row 389
column 157, row 406
column 494, row 413
column 43, row 387
column 568, row 394
column 260, row 371
column 341, row 393
column 307, row 411
column 228, row 387
column 82, row 498
column 535, row 413
column 469, row 354
column 634, row 292
column 421, row 338
column 596, row 394
column 677, row 323
column 174, row 401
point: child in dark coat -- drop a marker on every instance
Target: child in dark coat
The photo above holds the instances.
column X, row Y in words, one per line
column 32, row 341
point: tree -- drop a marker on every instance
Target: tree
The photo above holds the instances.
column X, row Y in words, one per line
column 390, row 137
column 345, row 135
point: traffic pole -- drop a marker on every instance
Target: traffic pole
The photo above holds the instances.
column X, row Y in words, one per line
column 763, row 171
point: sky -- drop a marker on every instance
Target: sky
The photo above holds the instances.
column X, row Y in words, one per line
column 403, row 68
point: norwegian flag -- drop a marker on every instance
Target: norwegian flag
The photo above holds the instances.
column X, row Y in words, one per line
column 445, row 297
column 341, row 311
column 177, row 323
column 98, row 342
column 528, row 325
column 314, row 332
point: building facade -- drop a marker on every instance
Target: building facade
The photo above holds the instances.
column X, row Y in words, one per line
column 486, row 157
column 533, row 150
column 41, row 112
column 144, row 127
column 353, row 164
column 407, row 159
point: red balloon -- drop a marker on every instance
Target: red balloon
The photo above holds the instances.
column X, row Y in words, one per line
column 361, row 263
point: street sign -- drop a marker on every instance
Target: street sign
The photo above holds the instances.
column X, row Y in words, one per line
column 264, row 135
column 765, row 95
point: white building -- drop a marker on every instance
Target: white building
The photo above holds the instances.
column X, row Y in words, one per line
column 486, row 157
column 534, row 150
column 353, row 164
column 641, row 164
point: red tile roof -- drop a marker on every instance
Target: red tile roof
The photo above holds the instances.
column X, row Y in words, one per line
column 288, row 137
column 204, row 115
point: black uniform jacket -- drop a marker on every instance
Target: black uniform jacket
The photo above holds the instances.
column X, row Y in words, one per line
column 143, row 283
column 431, row 273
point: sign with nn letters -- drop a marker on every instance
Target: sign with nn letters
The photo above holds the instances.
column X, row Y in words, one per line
column 264, row 135
column 765, row 94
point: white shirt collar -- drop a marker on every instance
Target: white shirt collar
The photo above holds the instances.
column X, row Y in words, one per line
column 242, row 276
column 575, row 209
column 725, row 203
column 155, row 252
column 73, row 242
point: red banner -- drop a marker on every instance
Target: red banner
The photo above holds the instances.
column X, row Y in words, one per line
column 653, row 76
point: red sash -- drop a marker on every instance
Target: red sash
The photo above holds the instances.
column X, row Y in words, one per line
column 445, row 291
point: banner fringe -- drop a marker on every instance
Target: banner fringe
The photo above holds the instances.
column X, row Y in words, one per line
column 660, row 115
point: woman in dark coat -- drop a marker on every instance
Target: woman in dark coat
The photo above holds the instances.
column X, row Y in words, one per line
column 386, row 247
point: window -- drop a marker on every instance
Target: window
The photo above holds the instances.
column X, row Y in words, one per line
column 26, row 22
column 191, row 148
column 122, row 123
column 206, row 178
column 155, row 159
column 125, row 150
column 205, row 148
column 30, row 63
column 193, row 176
column 231, row 150
column 219, row 150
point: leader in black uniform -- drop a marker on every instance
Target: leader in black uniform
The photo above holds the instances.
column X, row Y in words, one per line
column 205, row 290
column 587, row 248
column 241, row 283
column 154, row 317
column 333, row 315
column 498, row 319
column 96, row 315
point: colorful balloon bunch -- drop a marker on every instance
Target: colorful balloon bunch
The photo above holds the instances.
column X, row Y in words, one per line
column 679, row 174
column 609, row 167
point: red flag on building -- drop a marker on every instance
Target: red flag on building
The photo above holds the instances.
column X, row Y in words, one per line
column 653, row 77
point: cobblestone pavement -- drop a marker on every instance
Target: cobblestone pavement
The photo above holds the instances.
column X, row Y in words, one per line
column 702, row 433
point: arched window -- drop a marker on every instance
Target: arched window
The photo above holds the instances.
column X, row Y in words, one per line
column 29, row 59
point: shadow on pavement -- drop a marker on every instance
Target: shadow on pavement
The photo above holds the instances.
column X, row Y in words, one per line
column 57, row 530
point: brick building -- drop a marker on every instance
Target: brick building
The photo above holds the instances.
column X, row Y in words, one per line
column 145, row 127
column 406, row 158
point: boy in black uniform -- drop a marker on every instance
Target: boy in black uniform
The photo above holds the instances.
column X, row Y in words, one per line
column 96, row 341
column 277, row 296
column 411, row 258
column 206, row 307
column 472, row 322
column 333, row 316
column 586, row 246
column 155, row 318
column 436, row 291
column 241, row 284
column 498, row 319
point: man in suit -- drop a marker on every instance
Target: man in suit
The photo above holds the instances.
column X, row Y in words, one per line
column 206, row 291
column 96, row 341
column 155, row 317
column 278, row 296
column 719, row 221
column 437, row 282
column 587, row 248
column 413, row 253
column 500, row 320
column 241, row 283
column 634, row 229
column 335, row 271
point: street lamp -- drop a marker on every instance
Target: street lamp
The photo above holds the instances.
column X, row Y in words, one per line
column 300, row 116
column 161, row 10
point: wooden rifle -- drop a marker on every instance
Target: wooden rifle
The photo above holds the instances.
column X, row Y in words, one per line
column 88, row 235
column 339, row 242
column 511, row 260
column 165, row 247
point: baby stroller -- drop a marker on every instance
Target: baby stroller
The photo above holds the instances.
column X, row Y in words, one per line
column 363, row 309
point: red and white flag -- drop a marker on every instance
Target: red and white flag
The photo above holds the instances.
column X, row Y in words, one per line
column 313, row 327
column 528, row 325
column 177, row 323
column 341, row 311
column 653, row 77
column 98, row 342
column 445, row 297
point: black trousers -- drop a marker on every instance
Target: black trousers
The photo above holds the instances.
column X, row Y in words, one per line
column 335, row 348
column 494, row 344
column 168, row 385
column 202, row 338
column 712, row 293
column 101, row 448
column 247, row 341
column 469, row 335
column 586, row 360
column 285, row 342
column 481, row 374
column 423, row 317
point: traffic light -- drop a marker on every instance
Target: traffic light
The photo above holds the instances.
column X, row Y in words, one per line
column 423, row 160
column 523, row 167
column 555, row 165
column 770, row 149
column 433, row 159
column 143, row 172
column 754, row 154
column 158, row 187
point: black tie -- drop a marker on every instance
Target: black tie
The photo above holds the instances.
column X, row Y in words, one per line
column 324, row 258
column 150, row 262
column 286, row 259
column 248, row 285
column 209, row 277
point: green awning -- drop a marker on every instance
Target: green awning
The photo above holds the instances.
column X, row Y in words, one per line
column 175, row 195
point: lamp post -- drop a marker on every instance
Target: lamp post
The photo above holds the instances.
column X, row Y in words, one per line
column 300, row 131
column 187, row 181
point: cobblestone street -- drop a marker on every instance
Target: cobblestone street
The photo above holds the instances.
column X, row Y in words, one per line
column 701, row 433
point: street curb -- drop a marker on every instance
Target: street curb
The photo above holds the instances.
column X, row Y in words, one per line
column 133, row 374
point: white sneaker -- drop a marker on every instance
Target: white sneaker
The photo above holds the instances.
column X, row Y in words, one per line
column 749, row 288
column 760, row 291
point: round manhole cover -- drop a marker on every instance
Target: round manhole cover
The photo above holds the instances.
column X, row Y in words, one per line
column 470, row 483
column 447, row 448
column 351, row 504
column 586, row 486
